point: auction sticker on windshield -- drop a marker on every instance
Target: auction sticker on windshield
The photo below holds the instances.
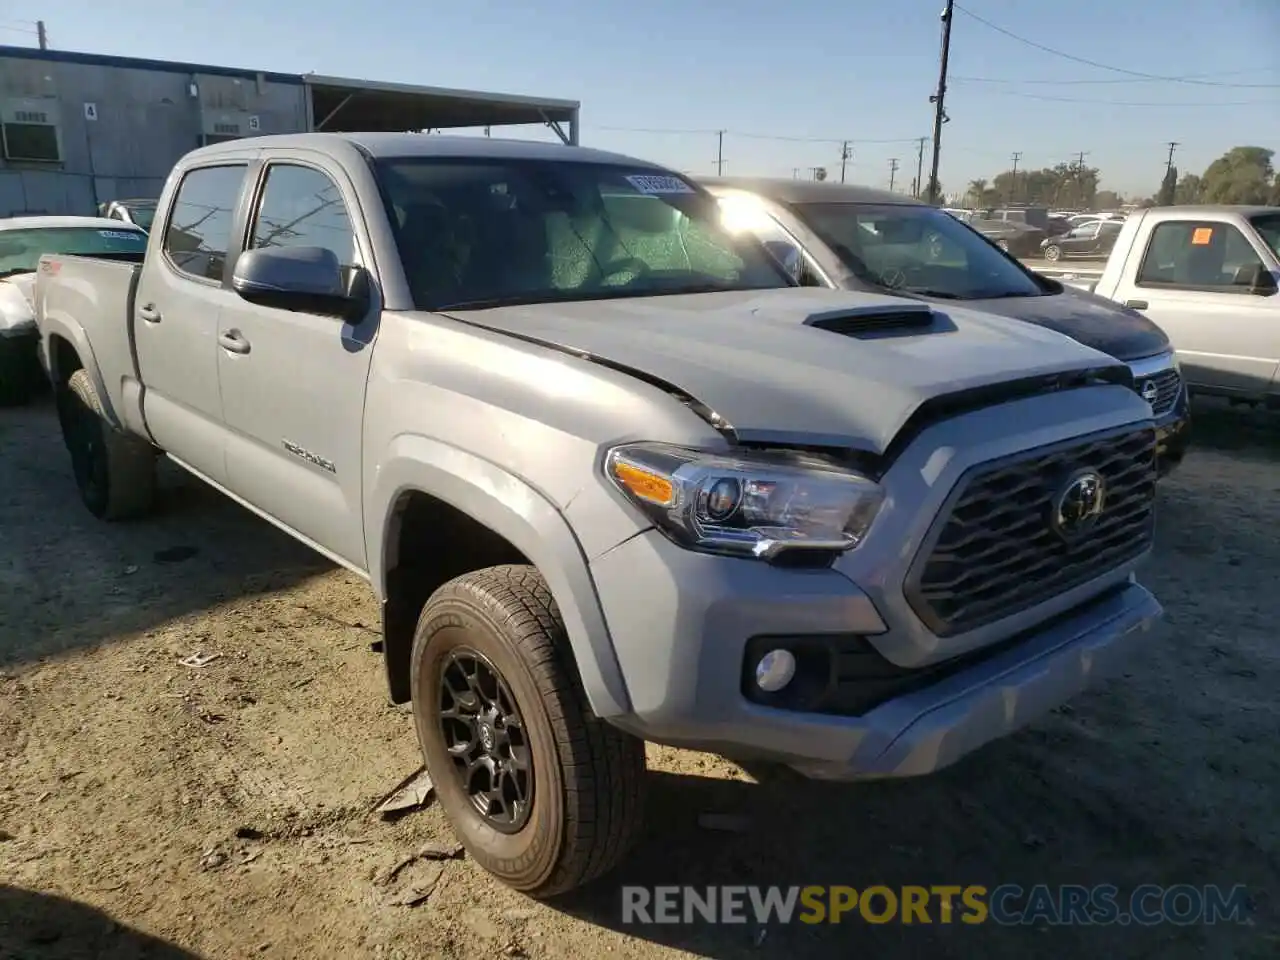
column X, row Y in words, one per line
column 656, row 185
column 120, row 234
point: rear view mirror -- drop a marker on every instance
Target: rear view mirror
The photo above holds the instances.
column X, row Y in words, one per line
column 301, row 279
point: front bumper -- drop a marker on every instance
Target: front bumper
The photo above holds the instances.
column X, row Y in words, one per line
column 684, row 662
column 1173, row 426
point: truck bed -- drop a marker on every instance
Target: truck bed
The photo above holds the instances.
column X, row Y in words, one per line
column 92, row 297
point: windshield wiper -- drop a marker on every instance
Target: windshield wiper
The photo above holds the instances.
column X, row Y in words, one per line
column 606, row 293
column 936, row 294
column 15, row 271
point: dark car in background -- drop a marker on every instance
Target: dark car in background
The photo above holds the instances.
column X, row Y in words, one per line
column 1088, row 241
column 1011, row 236
column 855, row 238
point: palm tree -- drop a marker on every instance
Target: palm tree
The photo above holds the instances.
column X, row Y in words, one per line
column 977, row 194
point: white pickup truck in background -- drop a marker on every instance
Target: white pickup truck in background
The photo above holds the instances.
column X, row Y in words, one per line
column 1210, row 277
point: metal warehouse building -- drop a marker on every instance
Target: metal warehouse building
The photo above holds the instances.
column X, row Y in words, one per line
column 81, row 129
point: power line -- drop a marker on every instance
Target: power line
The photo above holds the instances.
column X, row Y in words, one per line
column 1122, row 80
column 711, row 132
column 1084, row 60
column 1135, row 103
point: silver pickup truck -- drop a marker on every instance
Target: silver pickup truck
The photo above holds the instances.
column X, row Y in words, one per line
column 612, row 476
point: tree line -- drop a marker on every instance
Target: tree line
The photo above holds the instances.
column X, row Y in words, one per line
column 1241, row 175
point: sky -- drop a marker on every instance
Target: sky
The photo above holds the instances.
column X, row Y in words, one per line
column 788, row 81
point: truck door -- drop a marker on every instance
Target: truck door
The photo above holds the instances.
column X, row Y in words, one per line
column 1193, row 281
column 179, row 300
column 293, row 383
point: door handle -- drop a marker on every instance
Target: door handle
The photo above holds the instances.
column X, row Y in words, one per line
column 1136, row 304
column 149, row 313
column 233, row 342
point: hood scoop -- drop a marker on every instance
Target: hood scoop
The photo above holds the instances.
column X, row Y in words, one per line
column 877, row 322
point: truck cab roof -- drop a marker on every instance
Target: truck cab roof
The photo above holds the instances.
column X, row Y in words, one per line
column 418, row 145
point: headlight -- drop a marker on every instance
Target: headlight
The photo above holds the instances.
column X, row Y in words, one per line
column 751, row 505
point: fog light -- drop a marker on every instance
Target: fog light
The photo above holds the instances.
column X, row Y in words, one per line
column 775, row 670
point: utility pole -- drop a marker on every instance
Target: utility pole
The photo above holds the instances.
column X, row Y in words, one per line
column 939, row 98
column 916, row 187
column 1173, row 145
column 795, row 173
column 845, row 156
column 1079, row 197
column 719, row 153
column 1017, row 155
column 893, row 172
column 42, row 35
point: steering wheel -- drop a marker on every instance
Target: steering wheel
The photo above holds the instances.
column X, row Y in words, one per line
column 637, row 267
column 902, row 275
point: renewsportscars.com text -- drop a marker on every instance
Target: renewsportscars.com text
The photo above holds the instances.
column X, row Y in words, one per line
column 1007, row 904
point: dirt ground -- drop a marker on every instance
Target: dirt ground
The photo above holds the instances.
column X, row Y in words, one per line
column 152, row 809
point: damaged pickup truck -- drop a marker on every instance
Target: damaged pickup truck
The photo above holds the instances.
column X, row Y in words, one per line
column 611, row 475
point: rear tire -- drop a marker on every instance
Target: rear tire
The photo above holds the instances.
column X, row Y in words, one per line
column 1003, row 245
column 18, row 369
column 584, row 779
column 115, row 472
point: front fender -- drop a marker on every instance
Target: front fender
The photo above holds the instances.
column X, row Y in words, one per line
column 525, row 518
column 57, row 325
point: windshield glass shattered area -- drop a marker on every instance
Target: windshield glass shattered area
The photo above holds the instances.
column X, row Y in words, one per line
column 916, row 249
column 479, row 233
column 20, row 250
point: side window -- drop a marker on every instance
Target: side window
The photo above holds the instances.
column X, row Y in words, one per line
column 302, row 207
column 199, row 230
column 1183, row 253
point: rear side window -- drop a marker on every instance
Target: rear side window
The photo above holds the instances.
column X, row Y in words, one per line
column 1200, row 256
column 199, row 231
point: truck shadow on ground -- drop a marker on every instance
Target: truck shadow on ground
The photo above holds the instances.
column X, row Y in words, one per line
column 54, row 928
column 69, row 580
column 1219, row 425
column 1004, row 816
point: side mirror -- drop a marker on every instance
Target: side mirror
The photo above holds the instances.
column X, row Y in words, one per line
column 788, row 257
column 301, row 279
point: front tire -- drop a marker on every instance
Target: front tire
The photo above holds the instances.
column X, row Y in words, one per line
column 114, row 472
column 1053, row 253
column 1003, row 245
column 544, row 795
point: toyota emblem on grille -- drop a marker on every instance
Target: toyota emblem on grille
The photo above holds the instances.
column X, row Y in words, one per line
column 1079, row 504
column 1150, row 392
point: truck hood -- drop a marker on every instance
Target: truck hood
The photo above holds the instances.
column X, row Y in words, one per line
column 757, row 359
column 17, row 304
column 1095, row 321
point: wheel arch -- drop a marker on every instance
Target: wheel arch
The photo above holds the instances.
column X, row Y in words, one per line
column 67, row 349
column 426, row 490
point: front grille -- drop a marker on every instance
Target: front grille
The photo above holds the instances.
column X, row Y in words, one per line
column 994, row 552
column 1168, row 386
